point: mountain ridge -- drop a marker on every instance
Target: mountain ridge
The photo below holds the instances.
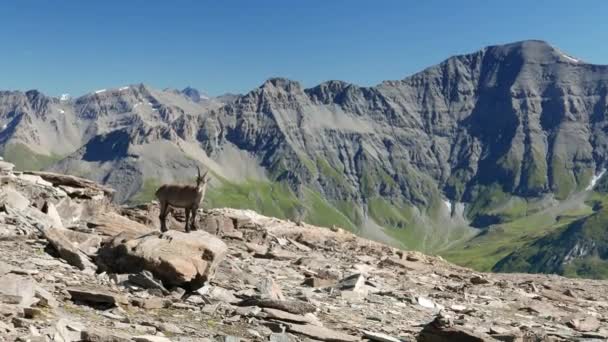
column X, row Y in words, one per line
column 431, row 161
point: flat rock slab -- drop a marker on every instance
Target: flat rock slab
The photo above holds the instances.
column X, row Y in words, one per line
column 60, row 179
column 292, row 306
column 585, row 324
column 150, row 338
column 96, row 296
column 321, row 333
column 67, row 250
column 175, row 258
column 374, row 336
column 286, row 316
column 112, row 224
column 102, row 335
column 146, row 280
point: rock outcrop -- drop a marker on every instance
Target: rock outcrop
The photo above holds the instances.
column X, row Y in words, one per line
column 176, row 258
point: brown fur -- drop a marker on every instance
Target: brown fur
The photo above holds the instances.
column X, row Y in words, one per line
column 184, row 196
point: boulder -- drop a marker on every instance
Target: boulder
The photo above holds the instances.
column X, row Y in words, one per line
column 176, row 258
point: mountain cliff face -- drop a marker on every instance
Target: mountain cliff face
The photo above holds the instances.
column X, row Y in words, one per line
column 476, row 142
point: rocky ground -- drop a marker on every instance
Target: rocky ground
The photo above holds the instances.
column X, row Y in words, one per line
column 76, row 268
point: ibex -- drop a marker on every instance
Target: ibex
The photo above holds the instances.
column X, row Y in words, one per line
column 188, row 197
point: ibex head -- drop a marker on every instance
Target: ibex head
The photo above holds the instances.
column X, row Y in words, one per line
column 201, row 181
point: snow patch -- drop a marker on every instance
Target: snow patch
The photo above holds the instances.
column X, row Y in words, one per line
column 65, row 97
column 123, row 88
column 137, row 104
column 4, row 126
column 100, row 91
column 594, row 179
column 62, row 111
column 570, row 58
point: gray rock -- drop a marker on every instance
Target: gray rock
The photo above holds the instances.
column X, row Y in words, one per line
column 170, row 328
column 292, row 306
column 269, row 289
column 66, row 249
column 150, row 338
column 375, row 336
column 96, row 296
column 176, row 258
column 53, row 214
column 281, row 337
column 146, row 280
column 64, row 333
column 13, row 198
column 442, row 329
column 103, row 335
column 46, row 299
column 22, row 289
column 149, row 303
column 321, row 333
column 584, row 324
column 288, row 317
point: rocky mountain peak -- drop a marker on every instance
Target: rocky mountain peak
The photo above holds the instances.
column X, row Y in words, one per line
column 194, row 94
column 281, row 84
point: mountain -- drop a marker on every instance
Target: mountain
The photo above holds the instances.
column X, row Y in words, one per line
column 472, row 158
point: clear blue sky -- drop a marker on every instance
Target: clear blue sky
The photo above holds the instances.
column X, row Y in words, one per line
column 222, row 46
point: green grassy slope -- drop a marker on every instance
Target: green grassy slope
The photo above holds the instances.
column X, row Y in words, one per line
column 577, row 249
column 494, row 243
column 26, row 159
